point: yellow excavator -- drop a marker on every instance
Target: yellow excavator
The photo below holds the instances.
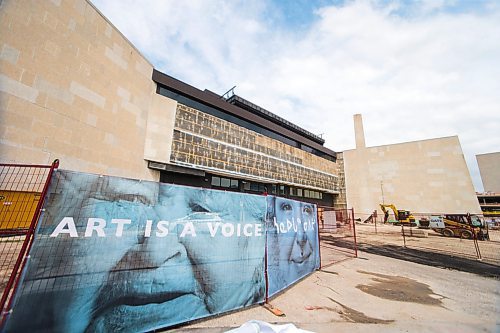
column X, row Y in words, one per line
column 403, row 217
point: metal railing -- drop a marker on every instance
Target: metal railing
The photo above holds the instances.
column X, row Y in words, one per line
column 23, row 189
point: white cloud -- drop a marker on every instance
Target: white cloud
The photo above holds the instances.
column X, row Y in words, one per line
column 426, row 75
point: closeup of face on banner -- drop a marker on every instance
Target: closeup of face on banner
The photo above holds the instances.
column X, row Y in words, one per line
column 293, row 248
column 119, row 255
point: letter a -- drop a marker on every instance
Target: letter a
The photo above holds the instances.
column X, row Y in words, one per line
column 60, row 229
column 188, row 229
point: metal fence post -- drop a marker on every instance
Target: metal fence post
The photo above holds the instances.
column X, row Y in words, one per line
column 404, row 236
column 319, row 244
column 14, row 278
column 354, row 232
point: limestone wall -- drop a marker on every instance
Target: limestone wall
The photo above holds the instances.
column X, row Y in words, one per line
column 73, row 87
column 489, row 168
column 428, row 176
column 218, row 145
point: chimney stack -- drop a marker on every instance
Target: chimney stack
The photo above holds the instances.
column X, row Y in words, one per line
column 359, row 133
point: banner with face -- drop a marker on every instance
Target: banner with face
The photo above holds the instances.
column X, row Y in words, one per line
column 120, row 255
column 292, row 242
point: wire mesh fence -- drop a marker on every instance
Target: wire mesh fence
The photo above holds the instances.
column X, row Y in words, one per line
column 337, row 235
column 461, row 240
column 112, row 252
column 21, row 193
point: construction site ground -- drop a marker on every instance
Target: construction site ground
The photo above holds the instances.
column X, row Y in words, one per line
column 388, row 288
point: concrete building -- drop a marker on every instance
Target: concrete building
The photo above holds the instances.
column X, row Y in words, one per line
column 489, row 168
column 428, row 176
column 73, row 87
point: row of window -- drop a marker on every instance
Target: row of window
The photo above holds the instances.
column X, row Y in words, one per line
column 298, row 192
column 225, row 182
column 263, row 188
column 240, row 122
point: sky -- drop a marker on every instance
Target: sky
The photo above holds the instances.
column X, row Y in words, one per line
column 415, row 70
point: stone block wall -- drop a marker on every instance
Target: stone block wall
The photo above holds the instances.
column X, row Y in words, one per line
column 72, row 87
column 215, row 144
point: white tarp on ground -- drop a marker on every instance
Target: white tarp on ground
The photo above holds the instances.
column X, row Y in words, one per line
column 257, row 326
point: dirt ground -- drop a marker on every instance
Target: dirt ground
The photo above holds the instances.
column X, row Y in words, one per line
column 436, row 243
column 435, row 284
column 387, row 288
column 9, row 249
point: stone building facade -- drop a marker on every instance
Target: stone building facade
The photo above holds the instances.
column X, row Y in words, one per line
column 426, row 176
column 73, row 87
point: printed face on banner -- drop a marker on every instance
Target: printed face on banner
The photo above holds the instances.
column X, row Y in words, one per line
column 121, row 255
column 292, row 241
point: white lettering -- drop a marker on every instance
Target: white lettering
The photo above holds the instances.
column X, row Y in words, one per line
column 212, row 229
column 162, row 226
column 99, row 228
column 258, row 230
column 245, row 230
column 120, row 223
column 147, row 232
column 67, row 221
column 227, row 229
column 188, row 229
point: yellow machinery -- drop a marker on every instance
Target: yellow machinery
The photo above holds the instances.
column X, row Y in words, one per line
column 16, row 210
column 464, row 226
column 403, row 217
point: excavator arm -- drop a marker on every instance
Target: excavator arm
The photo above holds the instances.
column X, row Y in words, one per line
column 384, row 207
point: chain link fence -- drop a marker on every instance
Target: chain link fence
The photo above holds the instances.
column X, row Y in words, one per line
column 21, row 196
column 337, row 235
column 465, row 248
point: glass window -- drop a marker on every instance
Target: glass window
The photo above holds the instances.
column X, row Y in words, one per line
column 225, row 182
column 299, row 192
column 246, row 186
column 292, row 191
column 320, row 195
column 273, row 189
column 282, row 190
column 306, row 193
column 254, row 187
column 234, row 183
column 215, row 181
column 240, row 122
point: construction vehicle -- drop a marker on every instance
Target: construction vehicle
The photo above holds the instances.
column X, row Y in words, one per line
column 16, row 211
column 464, row 226
column 403, row 217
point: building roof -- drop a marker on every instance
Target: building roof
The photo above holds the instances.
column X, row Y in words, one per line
column 260, row 117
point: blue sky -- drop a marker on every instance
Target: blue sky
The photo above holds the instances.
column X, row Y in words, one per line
column 414, row 69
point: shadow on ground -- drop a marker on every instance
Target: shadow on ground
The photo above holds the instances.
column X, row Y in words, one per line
column 423, row 257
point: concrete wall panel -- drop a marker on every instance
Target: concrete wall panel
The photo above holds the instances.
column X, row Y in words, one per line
column 428, row 176
column 73, row 88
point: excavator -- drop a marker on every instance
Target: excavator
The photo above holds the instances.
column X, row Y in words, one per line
column 403, row 217
column 464, row 226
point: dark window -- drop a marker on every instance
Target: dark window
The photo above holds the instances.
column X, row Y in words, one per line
column 240, row 122
column 215, row 181
column 225, row 182
column 281, row 190
column 234, row 183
